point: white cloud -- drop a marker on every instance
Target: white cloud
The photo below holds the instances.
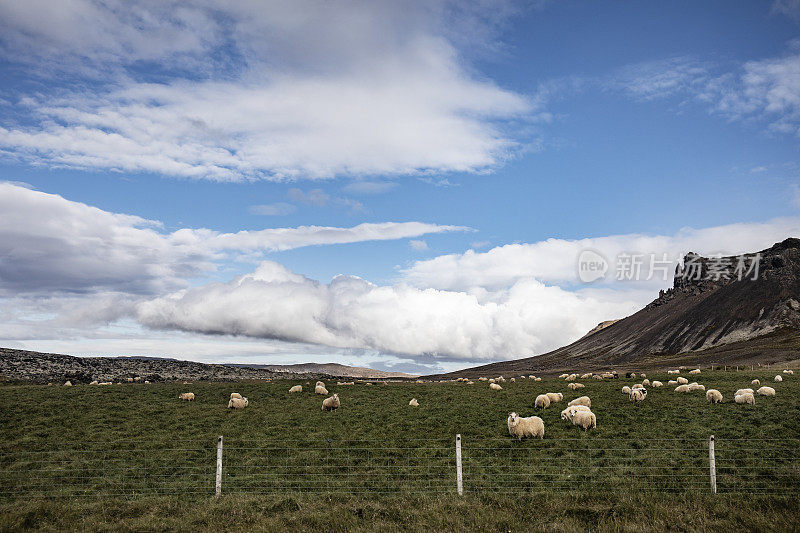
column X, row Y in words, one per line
column 555, row 260
column 369, row 187
column 307, row 97
column 658, row 79
column 50, row 244
column 418, row 245
column 274, row 303
column 276, row 209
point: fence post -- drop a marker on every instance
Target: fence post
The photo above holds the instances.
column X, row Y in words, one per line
column 219, row 466
column 712, row 464
column 459, row 475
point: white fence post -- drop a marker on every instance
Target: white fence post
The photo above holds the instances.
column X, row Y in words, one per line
column 459, row 475
column 219, row 466
column 712, row 465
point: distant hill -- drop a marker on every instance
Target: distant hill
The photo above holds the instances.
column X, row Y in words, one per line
column 697, row 321
column 332, row 369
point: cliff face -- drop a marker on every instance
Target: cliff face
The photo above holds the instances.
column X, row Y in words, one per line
column 730, row 309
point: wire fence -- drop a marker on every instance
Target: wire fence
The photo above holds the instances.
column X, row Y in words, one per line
column 365, row 467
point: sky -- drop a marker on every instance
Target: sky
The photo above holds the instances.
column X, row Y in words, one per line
column 410, row 186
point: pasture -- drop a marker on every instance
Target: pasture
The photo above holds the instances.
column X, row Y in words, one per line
column 134, row 456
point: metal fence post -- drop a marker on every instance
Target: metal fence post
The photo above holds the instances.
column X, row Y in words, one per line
column 219, row 466
column 459, row 475
column 712, row 464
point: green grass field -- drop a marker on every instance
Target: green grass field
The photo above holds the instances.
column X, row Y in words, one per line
column 135, row 457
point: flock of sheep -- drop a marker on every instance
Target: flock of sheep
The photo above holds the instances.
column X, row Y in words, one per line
column 237, row 401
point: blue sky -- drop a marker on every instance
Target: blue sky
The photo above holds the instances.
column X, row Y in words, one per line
column 523, row 132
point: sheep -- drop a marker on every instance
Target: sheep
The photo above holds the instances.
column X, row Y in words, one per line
column 672, row 382
column 642, row 375
column 777, row 379
column 482, row 379
column 513, row 380
column 646, row 382
column 343, row 383
column 319, row 384
column 563, row 376
column 608, row 375
column 696, row 386
column 413, row 402
column 296, row 388
column 583, row 400
column 657, row 384
column 637, row 395
column 492, row 380
column 682, row 380
column 586, row 375
column 320, row 389
column 531, row 377
column 682, row 388
column 743, row 391
column 569, row 412
column 495, row 386
column 766, row 391
column 673, row 371
column 68, row 384
column 575, row 386
column 237, row 403
column 746, row 397
column 332, row 403
column 129, row 380
column 714, row 396
column 555, row 397
column 501, row 379
column 235, row 395
column 93, row 382
column 584, row 419
column 789, row 372
column 188, row 396
column 755, row 382
column 531, row 426
column 626, row 390
column 598, row 377
column 537, row 379
column 542, row 401
column 637, row 386
column 572, row 377
column 146, row 382
column 695, row 371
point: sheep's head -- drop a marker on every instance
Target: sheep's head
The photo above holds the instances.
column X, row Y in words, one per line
column 335, row 395
column 513, row 419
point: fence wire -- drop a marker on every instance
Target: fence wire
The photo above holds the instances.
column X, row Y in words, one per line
column 365, row 467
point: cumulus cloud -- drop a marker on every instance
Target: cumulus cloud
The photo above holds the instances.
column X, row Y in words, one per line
column 49, row 243
column 275, row 303
column 253, row 90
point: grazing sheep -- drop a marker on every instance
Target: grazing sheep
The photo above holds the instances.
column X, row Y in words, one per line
column 482, row 379
column 695, row 371
column 626, row 390
column 235, row 395
column 746, row 398
column 672, row 382
column 714, row 396
column 608, row 375
column 657, row 384
column 320, row 389
column 637, row 386
column 755, row 382
column 188, row 396
column 583, row 400
column 584, row 419
column 146, row 382
column 743, row 391
column 643, row 375
column 495, row 386
column 572, row 377
column 332, row 403
column 531, row 377
column 319, row 384
column 569, row 412
column 682, row 388
column 598, row 377
column 696, row 386
column 777, row 379
column 789, row 372
column 542, row 401
column 646, row 382
column 563, row 376
column 766, row 391
column 470, row 383
column 93, row 382
column 413, row 402
column 343, row 383
column 586, row 375
column 638, row 395
column 531, row 426
column 68, row 384
column 296, row 388
column 237, row 403
column 673, row 371
column 555, row 397
column 513, row 380
column 537, row 379
column 575, row 386
column 492, row 380
column 501, row 379
column 682, row 380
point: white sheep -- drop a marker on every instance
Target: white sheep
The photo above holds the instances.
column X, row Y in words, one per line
column 643, row 375
column 695, row 371
column 320, row 389
column 672, row 382
column 531, row 426
column 319, row 384
column 745, row 397
column 743, row 391
column 638, row 395
column 696, row 386
column 586, row 375
column 598, row 377
column 583, row 400
column 188, row 396
column 714, row 396
column 68, row 384
column 584, row 419
column 531, row 377
column 626, row 390
column 637, row 386
column 646, row 382
column 789, row 372
column 657, row 384
column 777, row 379
column 555, row 397
column 766, row 391
column 296, row 388
column 237, row 403
column 575, row 386
column 542, row 401
column 537, row 379
column 332, row 403
column 482, row 379
column 93, row 382
column 682, row 380
column 755, row 382
column 235, row 395
column 413, row 402
column 495, row 386
column 673, row 371
column 513, row 380
column 492, row 380
column 572, row 377
column 682, row 388
column 563, row 376
column 570, row 411
column 146, row 382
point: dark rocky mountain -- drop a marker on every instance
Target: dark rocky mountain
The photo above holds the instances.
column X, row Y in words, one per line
column 333, row 369
column 731, row 310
